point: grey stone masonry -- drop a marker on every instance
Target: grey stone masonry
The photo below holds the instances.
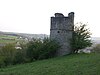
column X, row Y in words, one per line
column 62, row 31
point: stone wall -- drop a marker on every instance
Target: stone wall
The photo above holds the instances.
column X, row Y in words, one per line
column 62, row 31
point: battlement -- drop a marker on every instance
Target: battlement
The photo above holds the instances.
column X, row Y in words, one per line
column 59, row 21
column 71, row 14
column 59, row 15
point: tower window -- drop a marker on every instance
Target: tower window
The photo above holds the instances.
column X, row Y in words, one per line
column 58, row 31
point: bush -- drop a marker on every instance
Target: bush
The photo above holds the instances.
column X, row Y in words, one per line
column 34, row 50
column 7, row 54
column 20, row 57
column 41, row 49
column 48, row 49
column 2, row 63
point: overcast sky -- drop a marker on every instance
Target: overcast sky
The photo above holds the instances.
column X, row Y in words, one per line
column 33, row 16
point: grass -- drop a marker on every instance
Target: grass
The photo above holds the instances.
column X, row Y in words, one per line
column 76, row 64
column 5, row 39
column 8, row 36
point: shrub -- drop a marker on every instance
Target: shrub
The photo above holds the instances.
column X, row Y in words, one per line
column 2, row 64
column 20, row 56
column 41, row 49
column 7, row 54
column 49, row 49
column 34, row 50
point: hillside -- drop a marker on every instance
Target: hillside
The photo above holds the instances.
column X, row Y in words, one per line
column 24, row 35
column 96, row 40
column 11, row 37
column 78, row 64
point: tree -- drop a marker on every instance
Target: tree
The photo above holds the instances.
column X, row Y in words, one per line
column 81, row 37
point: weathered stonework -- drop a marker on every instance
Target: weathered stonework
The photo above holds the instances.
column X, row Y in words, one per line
column 62, row 31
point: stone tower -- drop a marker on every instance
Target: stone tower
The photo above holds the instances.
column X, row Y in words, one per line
column 62, row 31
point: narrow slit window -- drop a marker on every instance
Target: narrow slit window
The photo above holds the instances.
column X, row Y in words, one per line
column 58, row 31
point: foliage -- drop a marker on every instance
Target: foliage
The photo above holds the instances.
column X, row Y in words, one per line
column 2, row 63
column 41, row 49
column 34, row 50
column 7, row 54
column 81, row 37
column 49, row 49
column 20, row 57
column 74, row 64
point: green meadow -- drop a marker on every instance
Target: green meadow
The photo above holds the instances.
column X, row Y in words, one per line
column 75, row 64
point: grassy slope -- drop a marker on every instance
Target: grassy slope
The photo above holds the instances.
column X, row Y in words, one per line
column 80, row 64
column 3, row 41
